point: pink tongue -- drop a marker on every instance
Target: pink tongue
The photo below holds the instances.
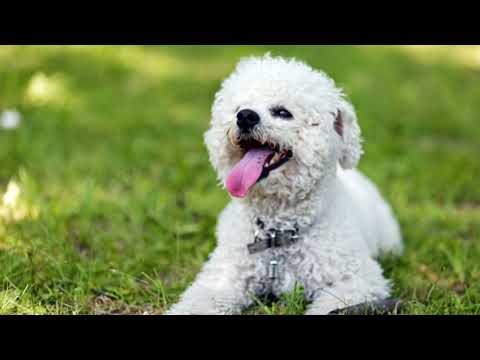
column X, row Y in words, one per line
column 246, row 173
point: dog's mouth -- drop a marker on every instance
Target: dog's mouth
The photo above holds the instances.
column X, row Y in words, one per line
column 258, row 160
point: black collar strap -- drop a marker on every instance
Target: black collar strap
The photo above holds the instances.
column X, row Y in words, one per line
column 274, row 238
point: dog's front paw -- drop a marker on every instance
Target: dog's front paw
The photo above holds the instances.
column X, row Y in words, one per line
column 324, row 307
column 173, row 311
column 180, row 309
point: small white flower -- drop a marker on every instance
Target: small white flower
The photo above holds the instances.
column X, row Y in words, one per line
column 10, row 119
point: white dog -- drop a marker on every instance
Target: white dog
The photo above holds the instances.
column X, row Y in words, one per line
column 284, row 141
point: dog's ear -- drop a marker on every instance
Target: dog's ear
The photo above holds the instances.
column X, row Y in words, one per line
column 346, row 126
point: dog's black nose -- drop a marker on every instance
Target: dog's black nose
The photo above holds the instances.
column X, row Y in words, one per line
column 247, row 119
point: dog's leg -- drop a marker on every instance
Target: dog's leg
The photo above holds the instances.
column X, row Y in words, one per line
column 218, row 289
column 355, row 289
column 206, row 297
column 201, row 300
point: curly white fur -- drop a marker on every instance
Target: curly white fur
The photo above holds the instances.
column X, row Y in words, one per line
column 344, row 222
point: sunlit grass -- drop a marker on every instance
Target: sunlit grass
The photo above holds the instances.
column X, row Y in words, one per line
column 16, row 301
column 49, row 90
column 468, row 56
column 15, row 207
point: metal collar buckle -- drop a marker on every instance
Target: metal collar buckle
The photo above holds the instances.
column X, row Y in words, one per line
column 274, row 238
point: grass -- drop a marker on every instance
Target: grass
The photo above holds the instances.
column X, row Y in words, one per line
column 111, row 203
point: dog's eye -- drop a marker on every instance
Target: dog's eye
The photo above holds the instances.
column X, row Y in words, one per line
column 281, row 112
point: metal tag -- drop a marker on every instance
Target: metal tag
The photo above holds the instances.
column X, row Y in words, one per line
column 272, row 269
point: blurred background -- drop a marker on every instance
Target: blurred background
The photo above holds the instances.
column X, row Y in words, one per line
column 108, row 203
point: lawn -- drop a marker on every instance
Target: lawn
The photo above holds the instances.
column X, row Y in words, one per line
column 108, row 203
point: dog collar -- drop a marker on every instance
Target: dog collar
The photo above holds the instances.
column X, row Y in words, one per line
column 274, row 238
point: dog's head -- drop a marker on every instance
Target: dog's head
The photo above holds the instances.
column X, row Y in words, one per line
column 278, row 127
